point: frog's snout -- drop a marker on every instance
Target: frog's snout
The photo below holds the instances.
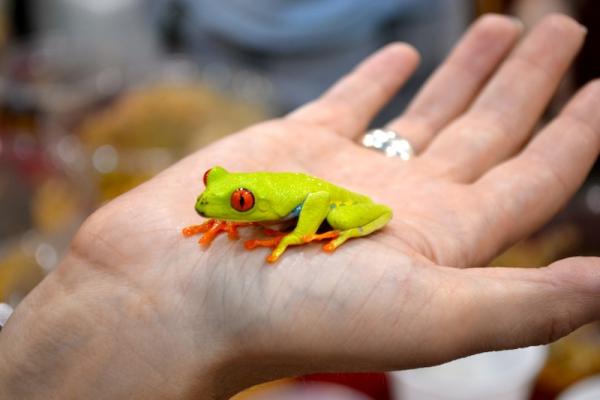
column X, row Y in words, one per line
column 200, row 203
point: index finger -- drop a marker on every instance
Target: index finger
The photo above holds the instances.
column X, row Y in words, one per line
column 354, row 100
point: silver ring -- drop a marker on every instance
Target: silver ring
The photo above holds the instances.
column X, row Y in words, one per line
column 5, row 313
column 389, row 143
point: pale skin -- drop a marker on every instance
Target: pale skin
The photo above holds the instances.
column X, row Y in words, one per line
column 135, row 311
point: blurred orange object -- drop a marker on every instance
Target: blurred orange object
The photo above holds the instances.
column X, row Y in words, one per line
column 571, row 359
column 257, row 390
column 148, row 128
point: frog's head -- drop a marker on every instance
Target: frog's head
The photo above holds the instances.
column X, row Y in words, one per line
column 235, row 197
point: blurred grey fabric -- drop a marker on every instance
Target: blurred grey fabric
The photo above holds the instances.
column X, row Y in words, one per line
column 302, row 47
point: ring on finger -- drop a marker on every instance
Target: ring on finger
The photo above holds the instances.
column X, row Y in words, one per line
column 389, row 143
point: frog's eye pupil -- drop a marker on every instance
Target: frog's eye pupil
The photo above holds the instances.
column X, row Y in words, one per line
column 242, row 200
column 205, row 177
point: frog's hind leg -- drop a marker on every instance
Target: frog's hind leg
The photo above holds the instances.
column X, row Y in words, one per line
column 314, row 211
column 355, row 221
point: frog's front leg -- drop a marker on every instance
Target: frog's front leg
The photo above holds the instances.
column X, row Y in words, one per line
column 196, row 229
column 355, row 221
column 313, row 213
column 212, row 228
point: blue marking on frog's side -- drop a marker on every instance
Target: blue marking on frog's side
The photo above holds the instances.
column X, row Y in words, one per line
column 294, row 213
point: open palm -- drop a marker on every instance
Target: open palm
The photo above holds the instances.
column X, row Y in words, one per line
column 390, row 300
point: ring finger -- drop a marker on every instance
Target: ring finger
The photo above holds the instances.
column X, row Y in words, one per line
column 505, row 113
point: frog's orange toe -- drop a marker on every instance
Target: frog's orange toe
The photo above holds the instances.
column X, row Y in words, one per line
column 254, row 243
column 233, row 234
column 196, row 229
column 271, row 259
column 206, row 240
column 250, row 244
column 192, row 230
column 320, row 236
column 329, row 247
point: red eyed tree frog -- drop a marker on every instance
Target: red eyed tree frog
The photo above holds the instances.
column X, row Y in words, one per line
column 233, row 200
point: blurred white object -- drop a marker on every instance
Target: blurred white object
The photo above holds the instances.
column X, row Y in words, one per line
column 5, row 313
column 587, row 389
column 500, row 375
column 312, row 391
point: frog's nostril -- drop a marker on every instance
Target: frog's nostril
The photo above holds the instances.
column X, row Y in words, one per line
column 201, row 200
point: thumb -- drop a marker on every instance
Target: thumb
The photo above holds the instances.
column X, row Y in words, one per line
column 517, row 307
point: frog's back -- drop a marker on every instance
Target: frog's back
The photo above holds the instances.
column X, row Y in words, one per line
column 302, row 184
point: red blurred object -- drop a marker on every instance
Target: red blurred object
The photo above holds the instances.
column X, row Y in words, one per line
column 374, row 385
column 28, row 157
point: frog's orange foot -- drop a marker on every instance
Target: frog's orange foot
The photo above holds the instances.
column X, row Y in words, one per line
column 216, row 228
column 196, row 229
column 320, row 236
column 232, row 228
column 272, row 258
column 254, row 243
column 212, row 228
column 330, row 247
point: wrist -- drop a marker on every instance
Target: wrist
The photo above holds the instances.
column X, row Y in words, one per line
column 86, row 333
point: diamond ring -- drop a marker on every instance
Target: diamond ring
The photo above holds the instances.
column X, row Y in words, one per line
column 389, row 143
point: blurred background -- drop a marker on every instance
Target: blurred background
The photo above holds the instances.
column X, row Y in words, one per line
column 97, row 96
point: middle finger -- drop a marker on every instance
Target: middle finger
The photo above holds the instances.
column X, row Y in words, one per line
column 457, row 81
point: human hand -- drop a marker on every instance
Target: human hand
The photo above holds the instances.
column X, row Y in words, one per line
column 414, row 294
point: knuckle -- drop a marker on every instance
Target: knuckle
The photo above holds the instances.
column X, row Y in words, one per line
column 558, row 326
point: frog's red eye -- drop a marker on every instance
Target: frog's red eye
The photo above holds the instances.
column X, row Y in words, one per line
column 242, row 199
column 205, row 177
